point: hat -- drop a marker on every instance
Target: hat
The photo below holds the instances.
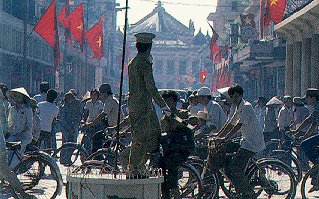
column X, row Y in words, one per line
column 33, row 103
column 274, row 101
column 286, row 98
column 312, row 92
column 20, row 90
column 105, row 88
column 144, row 37
column 202, row 115
column 297, row 100
column 86, row 96
column 224, row 92
column 204, row 91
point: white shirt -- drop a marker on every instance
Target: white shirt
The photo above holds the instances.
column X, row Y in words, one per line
column 285, row 117
column 47, row 112
column 194, row 109
column 94, row 109
column 40, row 97
column 111, row 106
column 253, row 137
column 216, row 115
column 19, row 120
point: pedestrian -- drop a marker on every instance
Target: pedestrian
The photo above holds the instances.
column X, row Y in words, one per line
column 93, row 107
column 216, row 115
column 194, row 105
column 36, row 128
column 20, row 120
column 285, row 116
column 5, row 171
column 70, row 117
column 4, row 98
column 260, row 110
column 270, row 125
column 300, row 112
column 42, row 96
column 48, row 113
column 144, row 123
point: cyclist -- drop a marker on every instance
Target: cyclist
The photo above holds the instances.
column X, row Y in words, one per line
column 20, row 120
column 5, row 171
column 252, row 142
column 311, row 137
column 178, row 144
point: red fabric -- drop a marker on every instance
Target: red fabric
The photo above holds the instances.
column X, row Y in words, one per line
column 203, row 75
column 277, row 9
column 62, row 16
column 214, row 49
column 95, row 39
column 264, row 14
column 77, row 24
column 46, row 26
column 47, row 29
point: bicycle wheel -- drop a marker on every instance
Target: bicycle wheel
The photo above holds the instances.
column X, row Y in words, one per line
column 104, row 154
column 311, row 178
column 93, row 166
column 290, row 160
column 210, row 184
column 73, row 151
column 273, row 178
column 189, row 182
column 39, row 176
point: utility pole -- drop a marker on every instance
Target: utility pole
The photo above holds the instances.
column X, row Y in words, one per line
column 23, row 63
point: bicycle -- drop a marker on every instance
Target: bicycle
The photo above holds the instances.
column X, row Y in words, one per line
column 267, row 175
column 77, row 150
column 313, row 173
column 37, row 171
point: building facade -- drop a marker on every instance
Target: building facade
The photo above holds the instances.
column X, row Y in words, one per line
column 301, row 31
column 178, row 54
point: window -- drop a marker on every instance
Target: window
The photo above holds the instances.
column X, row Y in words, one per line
column 170, row 67
column 182, row 67
column 234, row 6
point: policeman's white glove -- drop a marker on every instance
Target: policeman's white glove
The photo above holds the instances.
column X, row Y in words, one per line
column 166, row 110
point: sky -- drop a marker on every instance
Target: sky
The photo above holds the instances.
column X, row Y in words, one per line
column 182, row 10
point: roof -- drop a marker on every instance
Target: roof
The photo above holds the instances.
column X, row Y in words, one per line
column 160, row 21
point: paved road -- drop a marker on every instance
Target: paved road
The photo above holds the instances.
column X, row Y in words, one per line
column 63, row 170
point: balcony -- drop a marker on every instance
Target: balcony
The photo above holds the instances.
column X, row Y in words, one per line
column 294, row 6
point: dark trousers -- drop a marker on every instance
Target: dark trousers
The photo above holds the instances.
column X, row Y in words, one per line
column 45, row 140
column 234, row 159
column 307, row 146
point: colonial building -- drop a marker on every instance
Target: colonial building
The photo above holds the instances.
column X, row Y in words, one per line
column 179, row 56
column 301, row 31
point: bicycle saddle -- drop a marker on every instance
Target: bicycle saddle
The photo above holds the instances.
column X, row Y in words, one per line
column 13, row 146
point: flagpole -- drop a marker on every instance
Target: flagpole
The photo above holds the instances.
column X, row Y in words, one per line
column 121, row 88
column 86, row 46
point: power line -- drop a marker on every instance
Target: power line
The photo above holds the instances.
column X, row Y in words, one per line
column 193, row 4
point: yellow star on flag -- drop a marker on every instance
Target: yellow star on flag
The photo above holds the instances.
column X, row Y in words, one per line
column 80, row 26
column 99, row 41
column 273, row 2
column 247, row 21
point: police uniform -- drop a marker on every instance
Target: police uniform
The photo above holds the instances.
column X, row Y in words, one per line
column 144, row 123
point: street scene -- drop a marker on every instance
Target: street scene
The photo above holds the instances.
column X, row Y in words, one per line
column 159, row 99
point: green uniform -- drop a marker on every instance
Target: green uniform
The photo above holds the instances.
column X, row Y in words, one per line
column 143, row 119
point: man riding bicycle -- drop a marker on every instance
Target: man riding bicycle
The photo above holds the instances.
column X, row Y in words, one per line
column 311, row 137
column 244, row 120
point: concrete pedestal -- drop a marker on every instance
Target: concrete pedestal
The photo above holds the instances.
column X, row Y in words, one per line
column 106, row 186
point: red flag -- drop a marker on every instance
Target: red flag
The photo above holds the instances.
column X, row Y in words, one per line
column 277, row 9
column 47, row 29
column 203, row 75
column 95, row 39
column 77, row 24
column 63, row 15
column 213, row 45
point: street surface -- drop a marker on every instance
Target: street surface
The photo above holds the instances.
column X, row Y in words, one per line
column 63, row 169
